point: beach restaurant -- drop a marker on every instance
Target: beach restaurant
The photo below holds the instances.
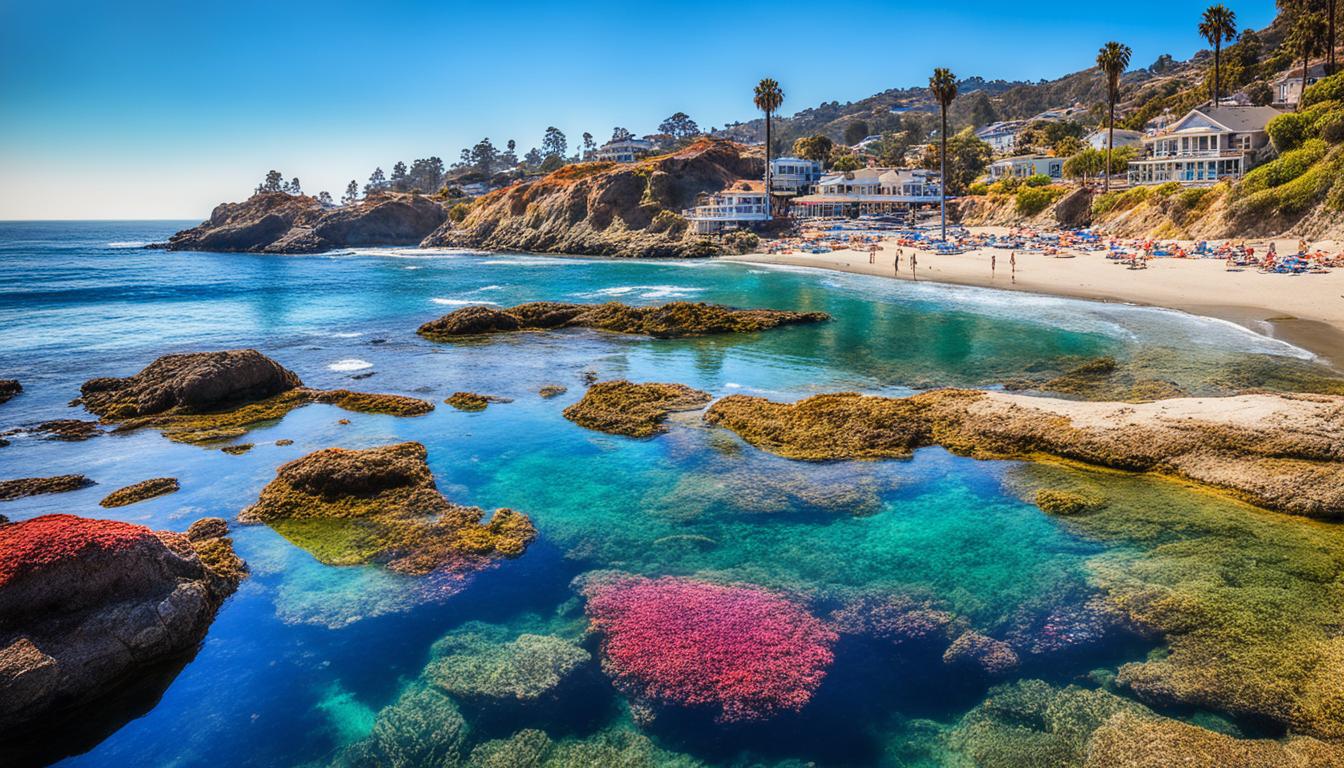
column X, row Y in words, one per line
column 869, row 191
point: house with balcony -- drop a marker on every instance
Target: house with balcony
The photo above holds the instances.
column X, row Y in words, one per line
column 793, row 176
column 1001, row 136
column 623, row 151
column 1208, row 144
column 869, row 191
column 1026, row 166
column 1288, row 87
column 741, row 206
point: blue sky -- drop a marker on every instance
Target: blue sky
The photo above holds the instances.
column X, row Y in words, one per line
column 162, row 109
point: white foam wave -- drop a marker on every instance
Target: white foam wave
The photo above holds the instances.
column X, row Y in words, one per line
column 349, row 364
column 489, row 288
column 460, row 302
column 345, row 334
column 127, row 244
column 644, row 291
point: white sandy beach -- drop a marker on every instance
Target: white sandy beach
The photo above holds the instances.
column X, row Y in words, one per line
column 1305, row 309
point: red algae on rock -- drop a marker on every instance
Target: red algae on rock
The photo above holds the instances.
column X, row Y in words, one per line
column 743, row 652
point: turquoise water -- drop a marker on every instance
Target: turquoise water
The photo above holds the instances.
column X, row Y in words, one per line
column 300, row 661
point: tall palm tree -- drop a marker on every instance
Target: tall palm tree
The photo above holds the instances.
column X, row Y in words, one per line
column 943, row 85
column 1218, row 26
column 1305, row 41
column 1331, row 14
column 768, row 98
column 1113, row 60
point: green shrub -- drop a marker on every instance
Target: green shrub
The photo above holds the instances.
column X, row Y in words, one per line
column 1288, row 130
column 1005, row 185
column 741, row 241
column 1283, row 169
column 1326, row 89
column 1120, row 201
column 978, row 188
column 1330, row 126
column 1033, row 200
column 1298, row 195
column 1163, row 191
column 458, row 212
column 1038, row 180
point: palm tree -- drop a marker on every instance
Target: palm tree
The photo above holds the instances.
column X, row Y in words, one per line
column 1305, row 41
column 1113, row 60
column 943, row 85
column 1218, row 26
column 768, row 98
column 1331, row 14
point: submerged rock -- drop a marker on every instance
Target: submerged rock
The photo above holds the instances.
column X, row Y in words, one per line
column 470, row 401
column 204, row 397
column 86, row 603
column 531, row 748
column 277, row 222
column 552, row 390
column 67, row 430
column 972, row 650
column 421, row 728
column 1059, row 502
column 896, row 619
column 34, row 486
column 526, row 670
column 1128, row 740
column 676, row 319
column 8, row 389
column 347, row 507
column 637, row 410
column 1283, row 452
column 145, row 489
column 743, row 653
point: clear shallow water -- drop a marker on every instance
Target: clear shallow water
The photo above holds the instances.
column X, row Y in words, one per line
column 300, row 660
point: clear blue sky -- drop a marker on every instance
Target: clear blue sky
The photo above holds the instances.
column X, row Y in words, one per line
column 161, row 109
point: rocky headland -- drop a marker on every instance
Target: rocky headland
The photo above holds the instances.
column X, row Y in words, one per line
column 203, row 397
column 380, row 505
column 633, row 409
column 1281, row 452
column 665, row 321
column 277, row 222
column 606, row 209
column 86, row 604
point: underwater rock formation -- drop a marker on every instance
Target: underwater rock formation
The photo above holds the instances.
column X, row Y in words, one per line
column 667, row 321
column 470, row 401
column 66, row 430
column 552, row 390
column 1127, row 740
column 1058, row 502
column 203, row 397
column 347, row 507
column 895, row 619
column 8, row 389
column 1282, row 452
column 743, row 653
column 528, row 669
column 530, row 748
column 421, row 728
column 973, row 650
column 636, row 410
column 34, row 486
column 145, row 489
column 85, row 603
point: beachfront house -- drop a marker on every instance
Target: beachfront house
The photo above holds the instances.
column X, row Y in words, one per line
column 1026, row 166
column 1288, row 86
column 1123, row 138
column 623, row 151
column 1001, row 136
column 793, row 176
column 741, row 206
column 869, row 191
column 1206, row 145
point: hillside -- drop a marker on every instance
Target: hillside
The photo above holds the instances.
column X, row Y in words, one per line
column 604, row 208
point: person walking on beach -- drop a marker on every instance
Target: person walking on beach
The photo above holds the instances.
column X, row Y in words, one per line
column 872, row 253
column 993, row 264
column 1012, row 264
column 896, row 268
column 914, row 265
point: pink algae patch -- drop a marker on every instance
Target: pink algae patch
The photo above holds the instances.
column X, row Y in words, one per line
column 32, row 545
column 746, row 651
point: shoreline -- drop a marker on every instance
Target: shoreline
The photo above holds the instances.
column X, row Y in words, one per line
column 1306, row 311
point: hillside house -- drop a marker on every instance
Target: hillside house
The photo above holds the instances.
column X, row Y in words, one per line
column 1206, row 145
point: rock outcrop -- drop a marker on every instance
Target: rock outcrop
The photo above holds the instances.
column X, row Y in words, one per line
column 1282, row 452
column 203, row 397
column 34, row 486
column 348, row 507
column 636, row 410
column 8, row 389
column 672, row 320
column 145, row 489
column 86, row 604
column 606, row 209
column 276, row 222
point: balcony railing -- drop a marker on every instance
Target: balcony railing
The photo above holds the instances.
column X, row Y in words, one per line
column 725, row 212
column 1178, row 154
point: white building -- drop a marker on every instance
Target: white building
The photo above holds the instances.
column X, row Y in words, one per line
column 624, row 151
column 1206, row 145
column 793, row 176
column 1001, row 136
column 870, row 191
column 1288, row 86
column 475, row 188
column 1025, row 166
column 1123, row 138
column 740, row 207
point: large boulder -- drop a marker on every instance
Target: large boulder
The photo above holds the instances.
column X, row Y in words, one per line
column 194, row 382
column 86, row 604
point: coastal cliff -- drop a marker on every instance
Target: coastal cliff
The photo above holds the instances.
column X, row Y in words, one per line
column 606, row 209
column 277, row 222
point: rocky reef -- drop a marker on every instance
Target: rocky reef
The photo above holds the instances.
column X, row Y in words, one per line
column 85, row 604
column 65, row 430
column 531, row 748
column 1282, row 452
column 672, row 320
column 8, row 389
column 606, row 209
column 740, row 652
column 552, row 390
column 485, row 671
column 423, row 727
column 276, row 222
column 471, row 401
column 145, row 489
column 347, row 507
column 636, row 410
column 34, row 486
column 203, row 397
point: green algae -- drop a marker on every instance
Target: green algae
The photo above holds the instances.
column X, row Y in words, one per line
column 1057, row 502
column 617, row 748
column 145, row 489
column 527, row 669
column 633, row 409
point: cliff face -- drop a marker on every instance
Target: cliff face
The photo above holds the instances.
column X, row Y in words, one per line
column 604, row 208
column 275, row 222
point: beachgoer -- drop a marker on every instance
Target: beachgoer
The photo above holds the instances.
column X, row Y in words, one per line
column 1012, row 264
column 914, row 265
column 896, row 268
column 993, row 264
